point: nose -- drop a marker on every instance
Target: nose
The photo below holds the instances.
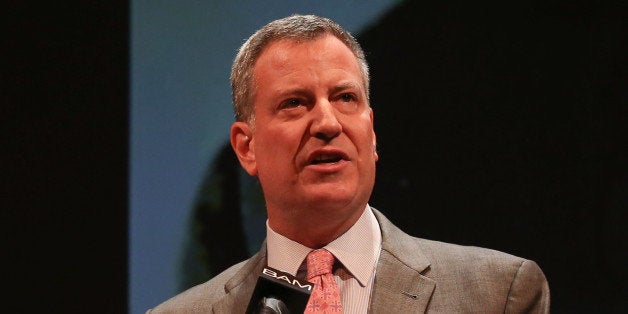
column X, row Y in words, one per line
column 325, row 124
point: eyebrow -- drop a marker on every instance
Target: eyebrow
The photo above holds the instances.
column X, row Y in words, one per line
column 306, row 91
column 296, row 91
column 343, row 86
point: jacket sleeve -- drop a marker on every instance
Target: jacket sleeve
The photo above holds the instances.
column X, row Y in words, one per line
column 529, row 290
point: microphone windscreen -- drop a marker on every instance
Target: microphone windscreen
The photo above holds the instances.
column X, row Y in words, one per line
column 279, row 292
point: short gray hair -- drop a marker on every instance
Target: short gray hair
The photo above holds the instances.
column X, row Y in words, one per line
column 296, row 27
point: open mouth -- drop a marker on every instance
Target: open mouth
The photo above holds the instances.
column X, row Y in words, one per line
column 326, row 159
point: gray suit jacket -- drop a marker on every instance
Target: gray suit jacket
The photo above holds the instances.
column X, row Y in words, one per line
column 413, row 276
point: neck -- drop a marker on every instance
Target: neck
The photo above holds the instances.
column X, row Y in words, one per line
column 313, row 230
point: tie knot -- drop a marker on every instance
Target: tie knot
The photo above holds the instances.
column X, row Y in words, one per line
column 319, row 262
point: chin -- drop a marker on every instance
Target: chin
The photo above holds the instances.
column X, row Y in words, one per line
column 331, row 198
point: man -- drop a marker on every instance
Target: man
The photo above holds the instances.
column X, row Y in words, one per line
column 305, row 129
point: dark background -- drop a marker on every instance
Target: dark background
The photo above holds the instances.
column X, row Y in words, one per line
column 504, row 126
column 498, row 126
column 64, row 151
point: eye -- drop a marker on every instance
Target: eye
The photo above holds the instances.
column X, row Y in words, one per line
column 347, row 97
column 347, row 102
column 291, row 103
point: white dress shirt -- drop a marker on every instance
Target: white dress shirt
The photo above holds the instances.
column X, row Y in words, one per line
column 357, row 250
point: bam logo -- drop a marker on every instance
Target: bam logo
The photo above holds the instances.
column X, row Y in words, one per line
column 277, row 275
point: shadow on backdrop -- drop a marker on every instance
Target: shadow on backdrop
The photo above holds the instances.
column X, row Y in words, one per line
column 228, row 220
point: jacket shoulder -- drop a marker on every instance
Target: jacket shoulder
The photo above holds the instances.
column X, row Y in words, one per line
column 440, row 253
column 200, row 298
column 468, row 278
column 480, row 276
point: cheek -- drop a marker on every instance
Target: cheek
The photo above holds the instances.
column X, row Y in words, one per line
column 367, row 138
column 277, row 145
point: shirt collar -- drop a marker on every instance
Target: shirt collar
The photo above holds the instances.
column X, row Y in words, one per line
column 357, row 249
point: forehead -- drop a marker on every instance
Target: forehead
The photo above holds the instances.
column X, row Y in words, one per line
column 287, row 55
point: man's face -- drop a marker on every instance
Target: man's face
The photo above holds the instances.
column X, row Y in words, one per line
column 312, row 145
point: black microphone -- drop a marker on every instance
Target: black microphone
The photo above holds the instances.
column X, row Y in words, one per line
column 270, row 305
column 278, row 292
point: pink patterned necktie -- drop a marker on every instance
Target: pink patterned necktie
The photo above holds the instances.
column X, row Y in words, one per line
column 325, row 297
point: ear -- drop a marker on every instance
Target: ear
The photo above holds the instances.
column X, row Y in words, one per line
column 376, row 156
column 242, row 144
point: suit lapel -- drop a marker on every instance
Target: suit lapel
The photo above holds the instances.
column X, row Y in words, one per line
column 399, row 285
column 239, row 288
